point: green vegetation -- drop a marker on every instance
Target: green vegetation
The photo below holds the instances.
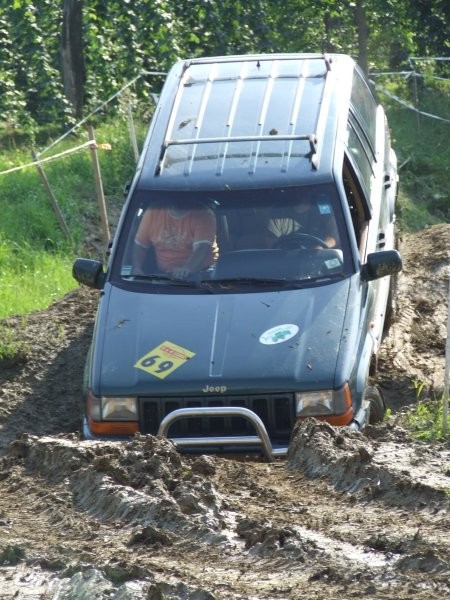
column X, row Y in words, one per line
column 425, row 419
column 35, row 256
column 116, row 41
column 11, row 347
column 422, row 147
column 32, row 279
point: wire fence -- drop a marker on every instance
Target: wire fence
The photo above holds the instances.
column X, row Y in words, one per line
column 414, row 75
column 39, row 160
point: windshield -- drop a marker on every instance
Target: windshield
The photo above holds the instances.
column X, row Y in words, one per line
column 248, row 238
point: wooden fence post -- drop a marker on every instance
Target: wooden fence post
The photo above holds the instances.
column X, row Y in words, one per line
column 132, row 129
column 52, row 197
column 99, row 186
column 447, row 372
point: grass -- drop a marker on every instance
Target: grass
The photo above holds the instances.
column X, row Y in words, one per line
column 12, row 555
column 35, row 255
column 32, row 279
column 27, row 215
column 11, row 348
column 425, row 419
column 422, row 147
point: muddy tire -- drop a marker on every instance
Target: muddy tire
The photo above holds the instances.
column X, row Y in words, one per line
column 377, row 405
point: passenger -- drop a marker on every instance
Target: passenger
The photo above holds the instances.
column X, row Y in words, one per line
column 307, row 217
column 183, row 240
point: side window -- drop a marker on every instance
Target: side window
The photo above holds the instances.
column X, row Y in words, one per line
column 358, row 211
column 360, row 154
column 361, row 131
column 364, row 106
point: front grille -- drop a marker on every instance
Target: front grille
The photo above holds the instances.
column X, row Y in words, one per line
column 275, row 410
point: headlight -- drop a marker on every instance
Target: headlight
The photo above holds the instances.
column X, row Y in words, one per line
column 311, row 404
column 119, row 409
column 113, row 408
column 323, row 403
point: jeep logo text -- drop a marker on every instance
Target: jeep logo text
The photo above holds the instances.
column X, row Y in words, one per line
column 218, row 389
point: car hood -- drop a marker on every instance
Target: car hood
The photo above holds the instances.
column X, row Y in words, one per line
column 160, row 343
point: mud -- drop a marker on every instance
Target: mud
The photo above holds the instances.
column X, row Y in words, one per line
column 345, row 515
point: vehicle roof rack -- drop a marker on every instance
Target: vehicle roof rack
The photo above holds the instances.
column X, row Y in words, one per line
column 238, row 80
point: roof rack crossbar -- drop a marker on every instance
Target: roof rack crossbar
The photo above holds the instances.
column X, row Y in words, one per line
column 311, row 137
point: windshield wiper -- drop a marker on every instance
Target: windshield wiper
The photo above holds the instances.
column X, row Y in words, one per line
column 250, row 280
column 168, row 279
column 285, row 282
column 318, row 279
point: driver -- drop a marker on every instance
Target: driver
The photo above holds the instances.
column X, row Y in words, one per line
column 310, row 218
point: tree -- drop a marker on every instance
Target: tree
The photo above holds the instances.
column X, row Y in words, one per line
column 363, row 34
column 72, row 57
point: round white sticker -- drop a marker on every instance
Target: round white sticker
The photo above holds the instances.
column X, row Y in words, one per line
column 278, row 334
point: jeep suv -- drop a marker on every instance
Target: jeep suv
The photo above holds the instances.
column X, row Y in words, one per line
column 287, row 158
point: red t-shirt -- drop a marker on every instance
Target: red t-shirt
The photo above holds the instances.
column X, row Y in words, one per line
column 174, row 237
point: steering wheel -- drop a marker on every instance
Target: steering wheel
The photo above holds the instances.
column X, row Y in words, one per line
column 299, row 240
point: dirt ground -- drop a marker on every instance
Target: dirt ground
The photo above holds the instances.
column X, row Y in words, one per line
column 345, row 515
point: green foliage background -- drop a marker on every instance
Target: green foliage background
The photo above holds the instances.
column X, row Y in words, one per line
column 124, row 38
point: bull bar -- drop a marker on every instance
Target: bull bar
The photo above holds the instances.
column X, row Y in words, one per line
column 261, row 439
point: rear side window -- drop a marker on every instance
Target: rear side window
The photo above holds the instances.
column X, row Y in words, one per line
column 364, row 106
column 361, row 155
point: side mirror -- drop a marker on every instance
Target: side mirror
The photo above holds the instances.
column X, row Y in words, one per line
column 381, row 264
column 89, row 272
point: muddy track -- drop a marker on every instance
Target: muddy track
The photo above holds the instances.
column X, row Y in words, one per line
column 345, row 515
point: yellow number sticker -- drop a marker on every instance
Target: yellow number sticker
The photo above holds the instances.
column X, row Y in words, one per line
column 164, row 359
